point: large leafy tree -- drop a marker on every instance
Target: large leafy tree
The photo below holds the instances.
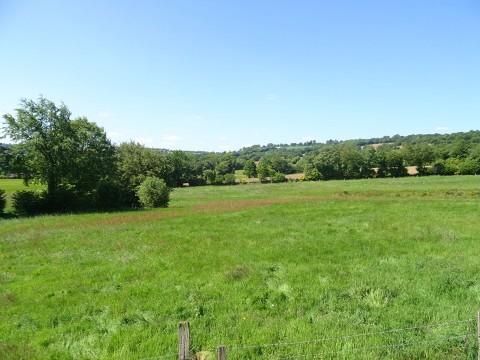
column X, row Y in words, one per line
column 134, row 163
column 182, row 168
column 56, row 150
column 93, row 158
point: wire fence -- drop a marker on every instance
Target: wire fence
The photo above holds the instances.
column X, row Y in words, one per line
column 169, row 356
column 455, row 338
column 399, row 345
column 345, row 337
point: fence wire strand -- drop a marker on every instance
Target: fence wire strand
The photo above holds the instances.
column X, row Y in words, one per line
column 398, row 345
column 160, row 357
column 349, row 336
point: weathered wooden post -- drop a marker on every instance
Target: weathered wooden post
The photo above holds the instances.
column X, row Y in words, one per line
column 184, row 340
column 221, row 353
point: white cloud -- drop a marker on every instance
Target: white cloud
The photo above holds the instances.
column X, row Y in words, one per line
column 105, row 114
column 224, row 148
column 441, row 128
column 223, row 138
column 171, row 138
column 308, row 138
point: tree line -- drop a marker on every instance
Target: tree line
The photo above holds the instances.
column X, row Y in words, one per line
column 83, row 170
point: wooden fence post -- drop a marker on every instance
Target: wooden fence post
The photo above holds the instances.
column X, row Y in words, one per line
column 221, row 353
column 184, row 340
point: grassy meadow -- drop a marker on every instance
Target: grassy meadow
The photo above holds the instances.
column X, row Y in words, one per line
column 250, row 265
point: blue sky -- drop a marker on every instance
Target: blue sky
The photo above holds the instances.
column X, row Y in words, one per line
column 220, row 75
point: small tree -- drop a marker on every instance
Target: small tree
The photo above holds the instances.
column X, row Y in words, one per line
column 153, row 192
column 250, row 169
column 209, row 176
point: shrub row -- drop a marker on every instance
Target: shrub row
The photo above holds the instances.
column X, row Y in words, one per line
column 108, row 196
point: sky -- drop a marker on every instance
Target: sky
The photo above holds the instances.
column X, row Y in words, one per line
column 222, row 75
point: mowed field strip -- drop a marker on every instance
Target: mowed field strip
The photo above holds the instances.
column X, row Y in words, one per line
column 249, row 265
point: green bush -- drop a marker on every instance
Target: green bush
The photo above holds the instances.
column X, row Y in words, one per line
column 278, row 178
column 63, row 200
column 153, row 192
column 28, row 203
column 229, row 179
column 3, row 201
column 108, row 195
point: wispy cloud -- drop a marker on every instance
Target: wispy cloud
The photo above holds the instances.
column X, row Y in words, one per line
column 223, row 138
column 171, row 138
column 105, row 114
column 441, row 128
column 308, row 138
column 170, row 141
column 196, row 117
column 271, row 97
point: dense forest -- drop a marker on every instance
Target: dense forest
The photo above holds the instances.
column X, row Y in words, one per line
column 82, row 169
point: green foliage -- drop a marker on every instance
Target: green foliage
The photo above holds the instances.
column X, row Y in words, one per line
column 209, row 176
column 280, row 164
column 46, row 137
column 469, row 166
column 3, row 201
column 69, row 156
column 153, row 193
column 311, row 172
column 182, row 168
column 278, row 178
column 226, row 166
column 229, row 179
column 250, row 169
column 265, row 170
column 419, row 155
column 4, row 160
column 28, row 203
column 134, row 163
column 109, row 195
column 93, row 156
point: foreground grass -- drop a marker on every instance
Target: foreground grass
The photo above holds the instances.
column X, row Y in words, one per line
column 249, row 265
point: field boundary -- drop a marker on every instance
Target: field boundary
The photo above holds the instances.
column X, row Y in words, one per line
column 222, row 350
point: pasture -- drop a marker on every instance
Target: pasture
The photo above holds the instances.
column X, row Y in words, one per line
column 250, row 265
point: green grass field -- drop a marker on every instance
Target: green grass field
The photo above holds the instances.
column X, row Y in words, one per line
column 252, row 265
